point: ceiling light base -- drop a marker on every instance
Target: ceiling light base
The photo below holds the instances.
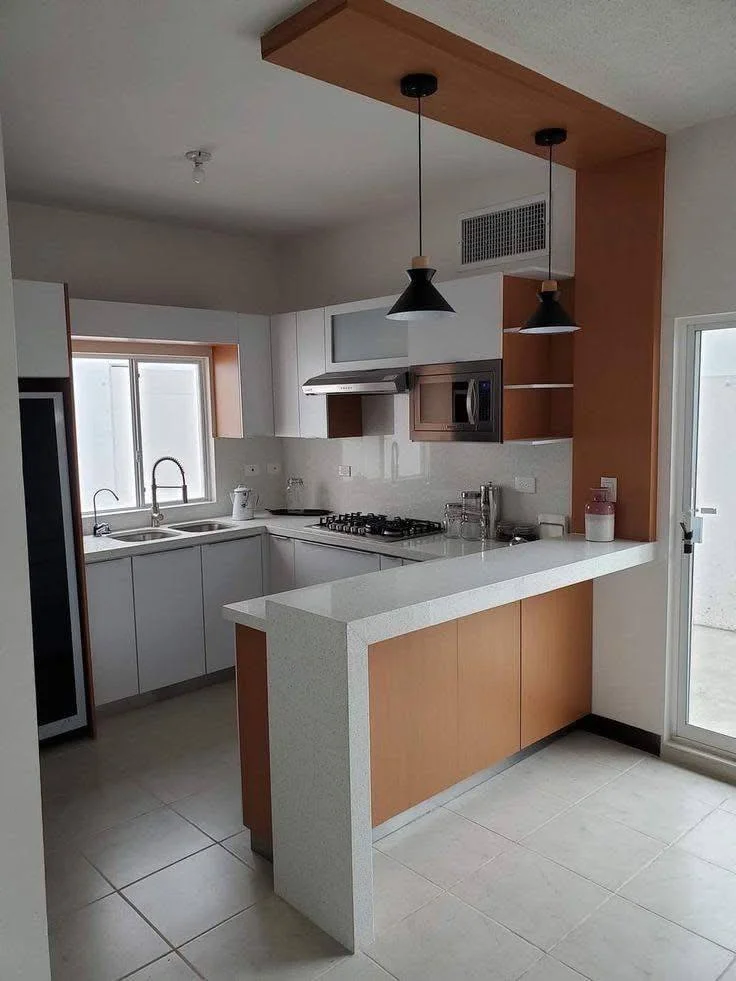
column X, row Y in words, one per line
column 551, row 136
column 418, row 85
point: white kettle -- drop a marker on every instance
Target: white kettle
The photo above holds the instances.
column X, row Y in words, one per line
column 244, row 500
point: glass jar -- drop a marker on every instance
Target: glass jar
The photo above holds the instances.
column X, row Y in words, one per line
column 453, row 519
column 600, row 516
column 471, row 526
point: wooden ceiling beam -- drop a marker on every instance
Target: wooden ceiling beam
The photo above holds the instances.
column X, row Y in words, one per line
column 365, row 46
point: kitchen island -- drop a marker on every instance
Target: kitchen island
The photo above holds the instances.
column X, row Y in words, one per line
column 366, row 717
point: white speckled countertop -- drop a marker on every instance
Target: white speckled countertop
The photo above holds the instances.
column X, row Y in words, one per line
column 414, row 550
column 396, row 601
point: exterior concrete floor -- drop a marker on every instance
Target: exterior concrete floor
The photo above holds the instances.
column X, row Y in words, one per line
column 713, row 680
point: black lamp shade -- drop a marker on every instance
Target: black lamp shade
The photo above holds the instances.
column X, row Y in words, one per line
column 550, row 317
column 420, row 300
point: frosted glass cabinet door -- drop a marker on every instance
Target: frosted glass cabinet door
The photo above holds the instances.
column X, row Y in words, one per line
column 358, row 335
column 231, row 571
column 112, row 630
column 168, row 617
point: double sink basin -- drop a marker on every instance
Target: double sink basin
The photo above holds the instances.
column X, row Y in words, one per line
column 174, row 531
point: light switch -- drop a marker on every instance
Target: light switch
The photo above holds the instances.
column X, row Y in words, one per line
column 611, row 485
column 526, row 485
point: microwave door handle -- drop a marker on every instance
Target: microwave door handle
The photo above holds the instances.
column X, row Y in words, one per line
column 469, row 401
column 472, row 401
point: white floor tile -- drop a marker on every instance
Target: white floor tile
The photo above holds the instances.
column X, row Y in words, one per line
column 103, row 942
column 142, row 846
column 196, row 894
column 570, row 776
column 443, row 847
column 714, row 839
column 448, row 939
column 622, row 942
column 397, row 892
column 71, row 819
column 269, row 940
column 218, row 811
column 356, row 968
column 595, row 847
column 188, row 773
column 663, row 812
column 665, row 775
column 239, row 845
column 596, row 749
column 71, row 883
column 531, row 896
column 511, row 809
column 730, row 974
column 549, row 969
column 682, row 887
column 171, row 968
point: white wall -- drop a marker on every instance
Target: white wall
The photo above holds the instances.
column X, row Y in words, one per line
column 367, row 259
column 700, row 243
column 23, row 932
column 103, row 257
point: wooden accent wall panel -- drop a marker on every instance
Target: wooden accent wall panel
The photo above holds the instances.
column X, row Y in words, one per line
column 255, row 762
column 227, row 398
column 413, row 718
column 365, row 46
column 344, row 416
column 489, row 672
column 556, row 660
column 618, row 272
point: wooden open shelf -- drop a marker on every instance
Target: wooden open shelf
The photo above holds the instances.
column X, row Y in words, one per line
column 537, row 369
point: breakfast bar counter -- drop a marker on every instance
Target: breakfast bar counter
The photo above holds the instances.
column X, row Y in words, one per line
column 388, row 689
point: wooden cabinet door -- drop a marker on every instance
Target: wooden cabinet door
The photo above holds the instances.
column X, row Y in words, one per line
column 231, row 571
column 556, row 660
column 168, row 617
column 489, row 695
column 285, row 375
column 413, row 718
column 112, row 630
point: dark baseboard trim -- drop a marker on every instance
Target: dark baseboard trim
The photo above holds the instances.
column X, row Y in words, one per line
column 648, row 742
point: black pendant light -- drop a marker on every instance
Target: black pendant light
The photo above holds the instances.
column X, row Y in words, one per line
column 420, row 300
column 550, row 317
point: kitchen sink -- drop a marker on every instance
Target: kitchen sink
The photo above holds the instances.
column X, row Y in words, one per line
column 199, row 527
column 152, row 535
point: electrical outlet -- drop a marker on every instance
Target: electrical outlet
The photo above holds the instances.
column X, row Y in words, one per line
column 526, row 485
column 252, row 469
column 611, row 484
column 344, row 471
column 273, row 468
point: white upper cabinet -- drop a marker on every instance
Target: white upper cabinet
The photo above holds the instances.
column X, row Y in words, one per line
column 41, row 329
column 285, row 375
column 358, row 336
column 475, row 334
column 254, row 343
column 310, row 351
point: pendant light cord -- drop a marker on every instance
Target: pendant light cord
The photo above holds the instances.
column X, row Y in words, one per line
column 419, row 137
column 549, row 243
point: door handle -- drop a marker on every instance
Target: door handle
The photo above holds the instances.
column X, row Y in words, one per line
column 471, row 402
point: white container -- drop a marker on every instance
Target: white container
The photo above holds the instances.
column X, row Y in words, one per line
column 599, row 527
column 244, row 501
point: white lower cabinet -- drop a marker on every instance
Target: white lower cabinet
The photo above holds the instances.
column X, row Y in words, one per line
column 281, row 564
column 112, row 630
column 390, row 562
column 231, row 571
column 315, row 564
column 168, row 617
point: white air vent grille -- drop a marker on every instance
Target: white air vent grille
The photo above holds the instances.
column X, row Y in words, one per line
column 499, row 234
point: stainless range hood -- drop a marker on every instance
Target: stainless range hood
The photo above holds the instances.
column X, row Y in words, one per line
column 376, row 381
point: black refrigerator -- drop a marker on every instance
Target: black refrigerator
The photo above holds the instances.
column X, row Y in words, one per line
column 55, row 596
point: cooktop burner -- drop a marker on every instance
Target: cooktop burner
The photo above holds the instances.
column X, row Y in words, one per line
column 378, row 525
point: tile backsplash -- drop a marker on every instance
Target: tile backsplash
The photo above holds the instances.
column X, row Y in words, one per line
column 392, row 475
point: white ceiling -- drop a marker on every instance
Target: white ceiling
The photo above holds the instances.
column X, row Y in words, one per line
column 101, row 99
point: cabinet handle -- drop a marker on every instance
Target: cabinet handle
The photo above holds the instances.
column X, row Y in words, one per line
column 281, row 538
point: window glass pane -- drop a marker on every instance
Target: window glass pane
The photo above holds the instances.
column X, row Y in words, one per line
column 171, row 425
column 104, row 430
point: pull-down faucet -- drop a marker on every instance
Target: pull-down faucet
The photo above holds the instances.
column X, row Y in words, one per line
column 157, row 516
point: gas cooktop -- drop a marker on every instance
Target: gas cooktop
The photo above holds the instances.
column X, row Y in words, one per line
column 378, row 526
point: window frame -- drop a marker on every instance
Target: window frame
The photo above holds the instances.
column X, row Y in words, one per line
column 203, row 360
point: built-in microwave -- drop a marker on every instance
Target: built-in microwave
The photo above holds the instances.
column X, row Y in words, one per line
column 459, row 402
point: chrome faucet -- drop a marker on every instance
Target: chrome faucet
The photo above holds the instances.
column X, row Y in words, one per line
column 157, row 517
column 100, row 528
